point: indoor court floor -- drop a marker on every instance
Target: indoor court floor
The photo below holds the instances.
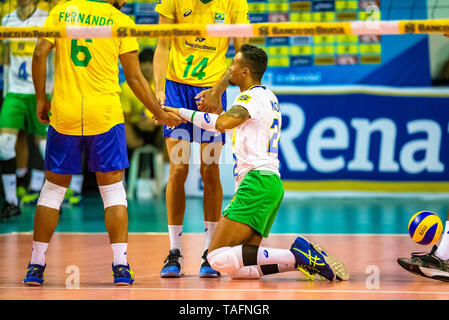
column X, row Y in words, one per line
column 368, row 234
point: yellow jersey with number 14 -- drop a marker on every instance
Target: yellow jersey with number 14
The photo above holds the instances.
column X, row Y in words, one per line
column 86, row 99
column 201, row 61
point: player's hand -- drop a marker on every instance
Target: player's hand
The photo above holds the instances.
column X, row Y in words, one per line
column 446, row 35
column 171, row 109
column 42, row 109
column 160, row 96
column 170, row 119
column 209, row 101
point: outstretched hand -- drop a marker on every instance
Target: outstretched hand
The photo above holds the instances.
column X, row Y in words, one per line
column 209, row 101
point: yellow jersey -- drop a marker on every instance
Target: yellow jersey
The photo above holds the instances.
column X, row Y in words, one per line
column 86, row 96
column 201, row 61
column 133, row 106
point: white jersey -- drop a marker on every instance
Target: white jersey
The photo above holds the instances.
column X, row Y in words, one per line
column 21, row 54
column 255, row 142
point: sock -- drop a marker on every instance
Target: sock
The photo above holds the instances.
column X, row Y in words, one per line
column 443, row 249
column 10, row 188
column 209, row 229
column 119, row 251
column 77, row 183
column 175, row 233
column 21, row 176
column 38, row 254
column 37, row 180
column 254, row 255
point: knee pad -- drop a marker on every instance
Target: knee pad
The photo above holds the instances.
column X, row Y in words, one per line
column 7, row 146
column 51, row 195
column 113, row 195
column 249, row 272
column 225, row 260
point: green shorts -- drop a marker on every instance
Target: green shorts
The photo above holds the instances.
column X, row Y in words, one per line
column 257, row 201
column 19, row 112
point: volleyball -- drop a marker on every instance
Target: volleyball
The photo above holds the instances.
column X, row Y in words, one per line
column 425, row 228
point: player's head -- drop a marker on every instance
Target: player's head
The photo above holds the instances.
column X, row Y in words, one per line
column 249, row 64
column 118, row 4
column 146, row 62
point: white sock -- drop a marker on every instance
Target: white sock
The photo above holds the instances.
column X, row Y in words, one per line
column 37, row 180
column 209, row 229
column 443, row 249
column 275, row 256
column 38, row 253
column 21, row 172
column 77, row 183
column 119, row 251
column 10, row 188
column 175, row 233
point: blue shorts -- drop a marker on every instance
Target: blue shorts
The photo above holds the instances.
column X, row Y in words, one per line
column 179, row 95
column 104, row 152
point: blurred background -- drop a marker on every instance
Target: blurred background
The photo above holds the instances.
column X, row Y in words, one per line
column 363, row 116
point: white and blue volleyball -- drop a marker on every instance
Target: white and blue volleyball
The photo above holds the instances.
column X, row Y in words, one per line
column 425, row 228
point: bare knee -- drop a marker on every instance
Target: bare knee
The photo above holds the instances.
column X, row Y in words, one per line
column 210, row 174
column 178, row 173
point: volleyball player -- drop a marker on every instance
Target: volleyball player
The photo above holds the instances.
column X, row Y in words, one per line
column 255, row 121
column 192, row 72
column 86, row 115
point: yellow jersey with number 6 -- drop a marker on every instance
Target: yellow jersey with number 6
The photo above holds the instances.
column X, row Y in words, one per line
column 201, row 61
column 86, row 99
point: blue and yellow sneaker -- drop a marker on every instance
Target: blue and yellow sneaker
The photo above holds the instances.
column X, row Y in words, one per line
column 173, row 265
column 123, row 275
column 206, row 271
column 34, row 275
column 315, row 260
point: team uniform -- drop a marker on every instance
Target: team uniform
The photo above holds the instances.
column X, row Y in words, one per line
column 86, row 111
column 86, row 115
column 197, row 63
column 19, row 106
column 259, row 189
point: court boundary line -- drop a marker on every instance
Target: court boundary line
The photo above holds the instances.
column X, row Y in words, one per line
column 246, row 290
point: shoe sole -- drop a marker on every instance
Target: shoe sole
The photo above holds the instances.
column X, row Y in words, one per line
column 338, row 267
column 421, row 271
column 32, row 284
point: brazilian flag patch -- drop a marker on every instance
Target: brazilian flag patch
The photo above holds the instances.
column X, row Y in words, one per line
column 219, row 17
column 244, row 98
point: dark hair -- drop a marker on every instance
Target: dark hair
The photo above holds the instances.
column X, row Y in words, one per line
column 146, row 55
column 255, row 60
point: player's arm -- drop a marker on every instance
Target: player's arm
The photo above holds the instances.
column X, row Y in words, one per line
column 214, row 122
column 161, row 57
column 140, row 87
column 39, row 74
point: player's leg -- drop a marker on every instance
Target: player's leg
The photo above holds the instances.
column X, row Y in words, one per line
column 12, row 120
column 46, row 220
column 179, row 156
column 107, row 157
column 434, row 264
column 62, row 159
column 212, row 199
column 178, row 141
column 235, row 250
